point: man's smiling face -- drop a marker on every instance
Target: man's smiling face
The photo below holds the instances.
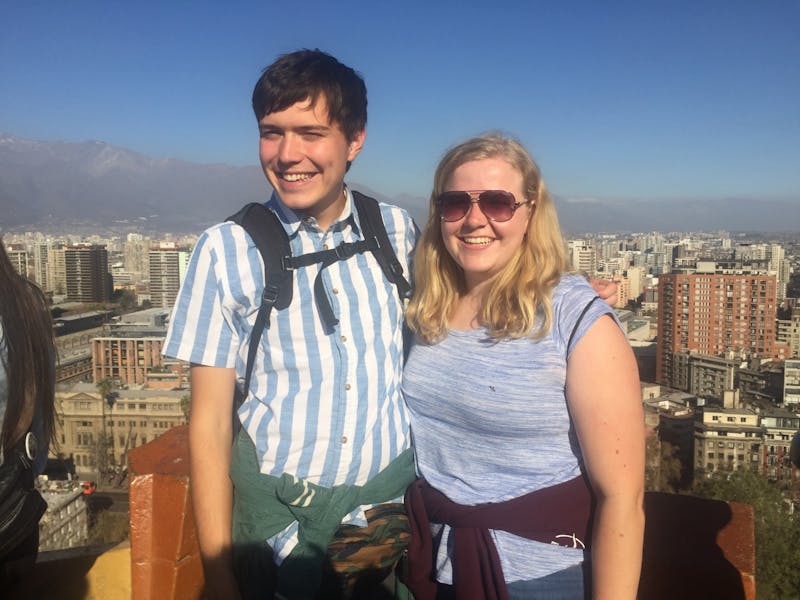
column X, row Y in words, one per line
column 305, row 156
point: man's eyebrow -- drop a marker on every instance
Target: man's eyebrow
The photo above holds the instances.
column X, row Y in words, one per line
column 312, row 129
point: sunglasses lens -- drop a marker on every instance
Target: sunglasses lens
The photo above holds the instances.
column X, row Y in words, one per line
column 454, row 205
column 497, row 205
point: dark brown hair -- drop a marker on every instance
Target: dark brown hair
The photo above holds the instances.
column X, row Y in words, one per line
column 309, row 74
column 30, row 359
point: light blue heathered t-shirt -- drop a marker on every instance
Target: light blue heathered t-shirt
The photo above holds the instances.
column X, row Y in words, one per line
column 489, row 422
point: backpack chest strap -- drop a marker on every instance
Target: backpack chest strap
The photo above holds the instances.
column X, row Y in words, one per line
column 325, row 258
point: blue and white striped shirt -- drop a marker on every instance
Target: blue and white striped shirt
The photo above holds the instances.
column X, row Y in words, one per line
column 326, row 407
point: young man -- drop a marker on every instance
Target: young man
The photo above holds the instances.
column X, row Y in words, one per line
column 323, row 407
column 324, row 444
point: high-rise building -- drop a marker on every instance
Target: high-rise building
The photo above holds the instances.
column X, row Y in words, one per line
column 583, row 255
column 19, row 259
column 87, row 276
column 136, row 256
column 712, row 312
column 167, row 270
column 41, row 265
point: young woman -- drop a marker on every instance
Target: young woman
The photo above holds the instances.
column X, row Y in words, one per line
column 27, row 381
column 524, row 398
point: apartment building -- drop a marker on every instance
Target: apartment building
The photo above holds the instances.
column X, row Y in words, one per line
column 87, row 277
column 779, row 426
column 791, row 384
column 167, row 268
column 125, row 359
column 711, row 312
column 129, row 350
column 726, row 440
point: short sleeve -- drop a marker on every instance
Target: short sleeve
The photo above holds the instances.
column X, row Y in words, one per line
column 577, row 307
column 206, row 322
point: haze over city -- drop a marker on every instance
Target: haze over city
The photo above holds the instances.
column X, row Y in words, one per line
column 623, row 101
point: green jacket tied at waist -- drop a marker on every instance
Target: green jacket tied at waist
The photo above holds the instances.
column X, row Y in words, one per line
column 265, row 505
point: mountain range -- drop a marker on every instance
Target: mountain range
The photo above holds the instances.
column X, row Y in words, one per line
column 93, row 186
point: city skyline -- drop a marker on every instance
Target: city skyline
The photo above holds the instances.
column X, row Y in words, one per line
column 617, row 102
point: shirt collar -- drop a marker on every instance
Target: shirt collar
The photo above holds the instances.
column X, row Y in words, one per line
column 292, row 220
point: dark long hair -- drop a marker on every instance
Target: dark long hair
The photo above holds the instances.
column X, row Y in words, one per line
column 30, row 361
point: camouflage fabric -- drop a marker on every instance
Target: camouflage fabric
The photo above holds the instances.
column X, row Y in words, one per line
column 362, row 558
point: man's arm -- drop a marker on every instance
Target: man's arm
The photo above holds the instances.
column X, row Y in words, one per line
column 210, row 441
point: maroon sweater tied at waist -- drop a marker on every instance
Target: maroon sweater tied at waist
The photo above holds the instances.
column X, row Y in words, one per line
column 560, row 514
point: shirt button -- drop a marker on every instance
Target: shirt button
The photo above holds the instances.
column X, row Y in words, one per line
column 347, row 386
column 344, row 439
column 324, row 246
column 335, row 290
column 344, row 338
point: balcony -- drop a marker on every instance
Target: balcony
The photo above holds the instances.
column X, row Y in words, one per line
column 694, row 548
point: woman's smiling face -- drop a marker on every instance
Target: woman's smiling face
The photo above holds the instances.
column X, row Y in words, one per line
column 481, row 247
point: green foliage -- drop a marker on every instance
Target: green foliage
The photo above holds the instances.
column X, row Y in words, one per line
column 125, row 298
column 777, row 531
column 662, row 467
column 793, row 287
column 109, row 527
column 186, row 405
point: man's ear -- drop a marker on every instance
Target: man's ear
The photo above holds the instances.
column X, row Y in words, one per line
column 355, row 145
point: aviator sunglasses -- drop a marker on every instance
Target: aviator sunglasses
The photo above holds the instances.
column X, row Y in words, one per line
column 497, row 205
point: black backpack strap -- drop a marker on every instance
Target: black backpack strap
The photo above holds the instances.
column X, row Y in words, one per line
column 369, row 215
column 263, row 226
column 578, row 322
column 325, row 258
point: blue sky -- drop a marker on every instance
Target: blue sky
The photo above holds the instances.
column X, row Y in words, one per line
column 614, row 99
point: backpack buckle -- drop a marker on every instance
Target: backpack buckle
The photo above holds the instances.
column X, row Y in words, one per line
column 270, row 294
column 286, row 263
column 344, row 251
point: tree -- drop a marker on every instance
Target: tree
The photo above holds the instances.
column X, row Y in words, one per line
column 125, row 298
column 663, row 467
column 186, row 405
column 105, row 445
column 777, row 530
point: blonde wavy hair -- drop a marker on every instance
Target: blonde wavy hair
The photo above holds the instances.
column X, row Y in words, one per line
column 522, row 291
